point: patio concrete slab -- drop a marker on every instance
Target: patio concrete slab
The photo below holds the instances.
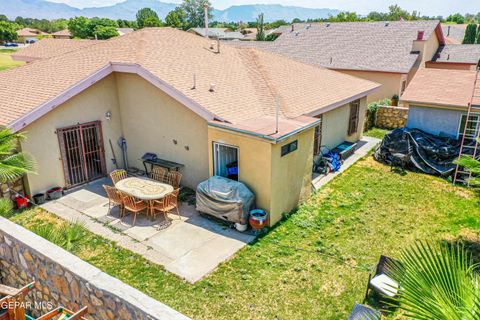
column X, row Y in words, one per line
column 190, row 246
column 201, row 261
column 364, row 146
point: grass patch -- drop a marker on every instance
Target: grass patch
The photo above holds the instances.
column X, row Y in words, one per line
column 6, row 61
column 376, row 133
column 313, row 265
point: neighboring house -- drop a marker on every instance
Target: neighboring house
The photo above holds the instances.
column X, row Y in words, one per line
column 220, row 33
column 454, row 33
column 29, row 35
column 187, row 103
column 124, row 31
column 439, row 99
column 62, row 34
column 388, row 53
column 47, row 48
column 456, row 56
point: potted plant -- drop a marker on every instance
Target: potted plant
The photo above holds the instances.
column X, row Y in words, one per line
column 395, row 100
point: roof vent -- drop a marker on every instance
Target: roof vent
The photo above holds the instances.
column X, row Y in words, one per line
column 296, row 34
column 420, row 35
column 293, row 27
column 387, row 24
column 328, row 25
column 448, row 56
column 308, row 26
column 212, row 87
column 331, row 60
column 212, row 45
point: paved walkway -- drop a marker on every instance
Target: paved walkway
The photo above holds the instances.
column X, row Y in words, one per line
column 190, row 247
column 363, row 148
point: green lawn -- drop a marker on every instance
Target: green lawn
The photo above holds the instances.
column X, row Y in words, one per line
column 315, row 264
column 376, row 133
column 6, row 61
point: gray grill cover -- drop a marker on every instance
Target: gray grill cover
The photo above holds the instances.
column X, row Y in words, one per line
column 225, row 199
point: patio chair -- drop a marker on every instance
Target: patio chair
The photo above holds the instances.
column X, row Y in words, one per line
column 380, row 281
column 133, row 205
column 167, row 204
column 158, row 174
column 174, row 178
column 118, row 175
column 363, row 312
column 114, row 198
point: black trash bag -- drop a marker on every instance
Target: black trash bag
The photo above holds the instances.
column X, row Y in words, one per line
column 428, row 153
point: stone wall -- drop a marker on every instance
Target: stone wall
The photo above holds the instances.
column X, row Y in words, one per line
column 389, row 117
column 63, row 279
column 6, row 190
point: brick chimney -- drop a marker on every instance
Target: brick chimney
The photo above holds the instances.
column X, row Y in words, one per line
column 420, row 35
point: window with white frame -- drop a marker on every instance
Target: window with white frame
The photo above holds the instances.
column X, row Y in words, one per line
column 473, row 125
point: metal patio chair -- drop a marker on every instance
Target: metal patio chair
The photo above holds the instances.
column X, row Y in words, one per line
column 114, row 198
column 118, row 175
column 133, row 205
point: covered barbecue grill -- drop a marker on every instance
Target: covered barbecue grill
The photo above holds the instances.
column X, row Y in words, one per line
column 226, row 199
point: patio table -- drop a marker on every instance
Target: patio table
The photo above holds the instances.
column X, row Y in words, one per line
column 143, row 188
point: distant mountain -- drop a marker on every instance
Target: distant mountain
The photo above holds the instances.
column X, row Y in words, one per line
column 127, row 10
column 271, row 12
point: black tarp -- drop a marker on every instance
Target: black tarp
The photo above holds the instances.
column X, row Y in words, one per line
column 428, row 153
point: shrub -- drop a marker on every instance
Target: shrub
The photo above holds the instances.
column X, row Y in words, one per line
column 66, row 234
column 6, row 208
column 372, row 111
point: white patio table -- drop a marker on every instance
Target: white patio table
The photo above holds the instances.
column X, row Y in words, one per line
column 143, row 188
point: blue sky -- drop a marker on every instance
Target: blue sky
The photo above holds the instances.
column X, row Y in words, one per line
column 428, row 7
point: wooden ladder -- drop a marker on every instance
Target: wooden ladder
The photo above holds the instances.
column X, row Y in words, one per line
column 469, row 139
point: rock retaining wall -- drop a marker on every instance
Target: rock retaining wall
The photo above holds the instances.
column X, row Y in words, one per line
column 389, row 117
column 63, row 279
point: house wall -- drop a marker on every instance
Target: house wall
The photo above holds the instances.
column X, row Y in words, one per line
column 451, row 66
column 42, row 141
column 335, row 125
column 152, row 121
column 254, row 163
column 291, row 175
column 279, row 183
column 391, row 83
column 434, row 120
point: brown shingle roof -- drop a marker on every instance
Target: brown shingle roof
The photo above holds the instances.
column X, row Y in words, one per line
column 64, row 32
column 458, row 53
column 29, row 32
column 48, row 47
column 454, row 33
column 248, row 82
column 442, row 87
column 366, row 46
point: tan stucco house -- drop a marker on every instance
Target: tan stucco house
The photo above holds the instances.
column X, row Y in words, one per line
column 439, row 100
column 388, row 52
column 178, row 96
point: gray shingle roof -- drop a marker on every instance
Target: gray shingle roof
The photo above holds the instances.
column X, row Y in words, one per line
column 366, row 46
column 221, row 33
column 458, row 53
column 454, row 33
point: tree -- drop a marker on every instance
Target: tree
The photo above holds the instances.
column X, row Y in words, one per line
column 478, row 34
column 96, row 22
column 376, row 16
column 194, row 9
column 3, row 17
column 473, row 165
column 395, row 13
column 438, row 281
column 146, row 17
column 345, row 17
column 470, row 34
column 105, row 32
column 78, row 27
column 177, row 18
column 8, row 31
column 13, row 164
column 260, row 28
column 456, row 18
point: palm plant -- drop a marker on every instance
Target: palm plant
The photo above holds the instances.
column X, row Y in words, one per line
column 13, row 164
column 437, row 281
